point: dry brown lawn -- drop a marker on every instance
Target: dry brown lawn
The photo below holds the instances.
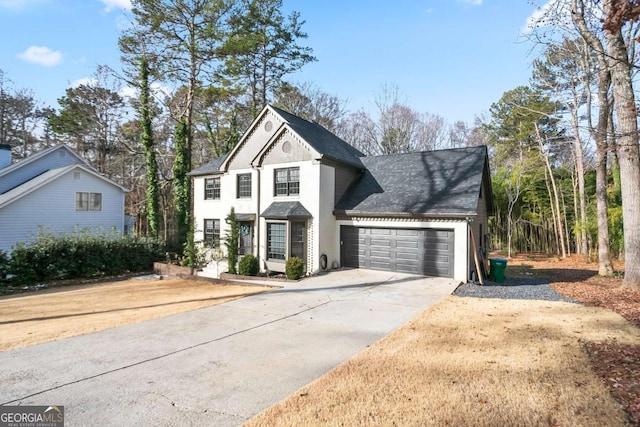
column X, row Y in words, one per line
column 62, row 312
column 468, row 361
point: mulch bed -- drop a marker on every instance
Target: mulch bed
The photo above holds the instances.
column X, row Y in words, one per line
column 618, row 365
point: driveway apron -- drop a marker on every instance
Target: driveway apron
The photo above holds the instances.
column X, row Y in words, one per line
column 220, row 365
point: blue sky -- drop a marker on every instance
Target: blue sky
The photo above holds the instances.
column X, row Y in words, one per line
column 448, row 57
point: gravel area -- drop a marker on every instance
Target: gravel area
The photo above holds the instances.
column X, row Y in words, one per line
column 512, row 288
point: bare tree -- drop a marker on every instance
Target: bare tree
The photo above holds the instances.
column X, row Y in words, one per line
column 310, row 102
column 627, row 144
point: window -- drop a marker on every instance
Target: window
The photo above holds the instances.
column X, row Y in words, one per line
column 88, row 201
column 276, row 235
column 212, row 232
column 212, row 188
column 244, row 185
column 287, row 181
column 296, row 240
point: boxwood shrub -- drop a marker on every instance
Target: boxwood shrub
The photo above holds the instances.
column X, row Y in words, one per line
column 294, row 269
column 248, row 265
column 82, row 256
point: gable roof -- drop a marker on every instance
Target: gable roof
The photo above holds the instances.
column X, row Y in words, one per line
column 41, row 180
column 24, row 162
column 327, row 144
column 439, row 183
column 323, row 141
column 284, row 210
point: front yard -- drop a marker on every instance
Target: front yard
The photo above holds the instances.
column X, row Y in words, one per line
column 489, row 362
column 33, row 318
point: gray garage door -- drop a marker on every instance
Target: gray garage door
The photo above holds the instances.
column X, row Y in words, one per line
column 420, row 251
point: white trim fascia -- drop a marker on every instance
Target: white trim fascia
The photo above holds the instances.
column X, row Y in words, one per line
column 41, row 154
column 316, row 156
column 245, row 136
column 56, row 173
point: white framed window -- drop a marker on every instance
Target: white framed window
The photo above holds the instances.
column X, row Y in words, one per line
column 286, row 181
column 276, row 241
column 86, row 201
column 212, row 188
column 212, row 232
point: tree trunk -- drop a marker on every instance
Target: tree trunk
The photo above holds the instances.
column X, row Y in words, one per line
column 553, row 213
column 576, row 214
column 627, row 148
column 556, row 199
column 599, row 134
column 579, row 159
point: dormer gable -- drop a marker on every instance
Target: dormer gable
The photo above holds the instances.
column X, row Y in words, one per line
column 55, row 157
column 306, row 141
column 260, row 132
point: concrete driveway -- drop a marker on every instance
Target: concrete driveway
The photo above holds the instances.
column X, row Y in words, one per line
column 220, row 365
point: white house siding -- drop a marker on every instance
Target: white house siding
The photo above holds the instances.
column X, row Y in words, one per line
column 220, row 208
column 326, row 219
column 460, row 270
column 57, row 158
column 53, row 207
column 308, row 197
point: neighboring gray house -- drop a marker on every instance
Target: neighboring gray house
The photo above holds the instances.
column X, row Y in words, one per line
column 299, row 190
column 55, row 190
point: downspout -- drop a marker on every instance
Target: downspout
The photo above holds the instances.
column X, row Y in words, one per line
column 258, row 216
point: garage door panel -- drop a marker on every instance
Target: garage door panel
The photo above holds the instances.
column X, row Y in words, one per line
column 380, row 254
column 407, row 244
column 412, row 233
column 379, row 265
column 380, row 231
column 413, row 256
column 420, row 251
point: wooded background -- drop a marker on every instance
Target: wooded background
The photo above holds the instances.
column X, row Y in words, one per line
column 564, row 149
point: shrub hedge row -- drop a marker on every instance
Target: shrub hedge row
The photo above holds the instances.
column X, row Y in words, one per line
column 82, row 256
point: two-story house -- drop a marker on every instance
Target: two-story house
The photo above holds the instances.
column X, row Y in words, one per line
column 299, row 190
column 55, row 191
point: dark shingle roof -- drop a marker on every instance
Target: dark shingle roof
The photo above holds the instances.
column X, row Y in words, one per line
column 212, row 166
column 433, row 183
column 284, row 210
column 323, row 141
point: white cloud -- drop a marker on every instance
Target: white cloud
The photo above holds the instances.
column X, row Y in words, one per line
column 471, row 2
column 18, row 5
column 109, row 5
column 41, row 55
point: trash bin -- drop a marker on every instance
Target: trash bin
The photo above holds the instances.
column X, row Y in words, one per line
column 498, row 266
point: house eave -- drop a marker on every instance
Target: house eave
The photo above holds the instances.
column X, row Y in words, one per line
column 425, row 215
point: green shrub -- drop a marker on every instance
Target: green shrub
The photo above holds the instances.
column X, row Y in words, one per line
column 4, row 264
column 294, row 268
column 82, row 256
column 248, row 265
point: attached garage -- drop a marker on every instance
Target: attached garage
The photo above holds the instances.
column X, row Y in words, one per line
column 425, row 251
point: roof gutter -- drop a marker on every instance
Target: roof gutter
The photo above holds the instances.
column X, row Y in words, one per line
column 434, row 215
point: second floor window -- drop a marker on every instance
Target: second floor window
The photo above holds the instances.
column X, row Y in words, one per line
column 287, row 181
column 212, row 188
column 244, row 185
